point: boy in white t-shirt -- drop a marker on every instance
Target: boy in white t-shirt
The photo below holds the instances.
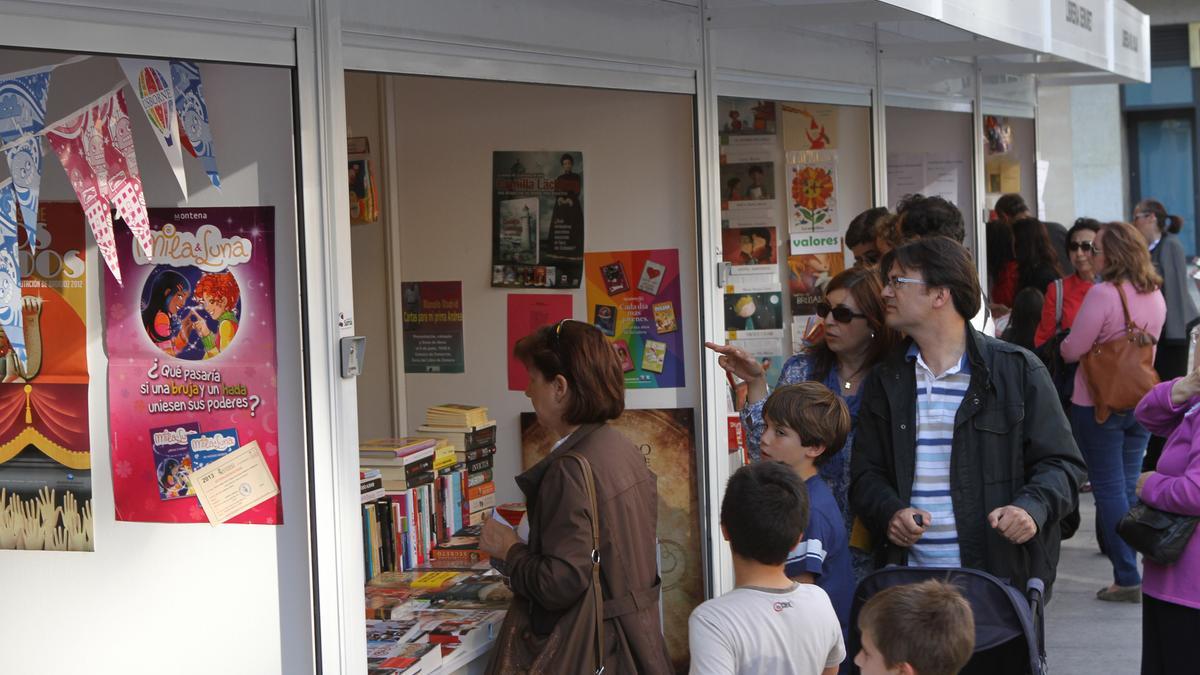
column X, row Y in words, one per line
column 769, row 624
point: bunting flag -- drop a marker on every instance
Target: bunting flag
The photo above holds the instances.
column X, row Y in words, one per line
column 22, row 117
column 95, row 146
column 10, row 273
column 193, row 116
column 151, row 81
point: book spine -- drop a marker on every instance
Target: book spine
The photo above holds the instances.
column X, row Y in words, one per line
column 472, row 555
column 419, row 467
column 478, row 478
column 479, row 465
column 477, row 491
column 480, row 438
column 457, row 483
column 484, row 502
column 479, row 453
column 477, row 518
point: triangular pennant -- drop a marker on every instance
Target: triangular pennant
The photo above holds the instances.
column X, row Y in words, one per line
column 23, row 114
column 11, row 320
column 124, row 181
column 151, row 82
column 193, row 116
column 79, row 142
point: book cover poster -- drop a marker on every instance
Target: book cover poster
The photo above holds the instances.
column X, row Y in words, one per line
column 432, row 322
column 527, row 313
column 45, row 453
column 634, row 299
column 537, row 219
column 753, row 315
column 191, row 345
column 667, row 440
column 808, row 275
column 809, row 126
column 812, row 193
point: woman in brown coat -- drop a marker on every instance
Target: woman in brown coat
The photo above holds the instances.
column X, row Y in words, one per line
column 576, row 386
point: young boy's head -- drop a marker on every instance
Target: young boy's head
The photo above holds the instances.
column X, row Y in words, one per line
column 764, row 512
column 916, row 629
column 807, row 424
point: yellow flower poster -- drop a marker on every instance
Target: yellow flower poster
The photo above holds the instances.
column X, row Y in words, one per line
column 812, row 192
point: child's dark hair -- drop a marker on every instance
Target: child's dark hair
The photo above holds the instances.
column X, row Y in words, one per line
column 928, row 625
column 764, row 511
column 818, row 415
column 166, row 284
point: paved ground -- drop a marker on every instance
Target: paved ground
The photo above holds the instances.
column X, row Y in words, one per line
column 1085, row 636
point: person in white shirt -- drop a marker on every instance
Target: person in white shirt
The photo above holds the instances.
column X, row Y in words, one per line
column 769, row 624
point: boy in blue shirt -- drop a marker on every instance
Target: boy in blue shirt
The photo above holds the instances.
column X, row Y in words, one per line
column 806, row 424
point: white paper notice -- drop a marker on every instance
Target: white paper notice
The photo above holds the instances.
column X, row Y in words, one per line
column 941, row 177
column 905, row 176
column 234, row 483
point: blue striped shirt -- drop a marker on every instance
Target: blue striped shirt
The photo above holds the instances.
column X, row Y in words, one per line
column 938, row 400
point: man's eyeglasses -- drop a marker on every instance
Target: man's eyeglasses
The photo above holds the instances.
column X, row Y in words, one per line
column 1085, row 246
column 897, row 282
column 841, row 313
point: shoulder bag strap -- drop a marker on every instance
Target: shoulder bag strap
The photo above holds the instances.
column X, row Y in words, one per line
column 1058, row 305
column 1129, row 325
column 590, row 484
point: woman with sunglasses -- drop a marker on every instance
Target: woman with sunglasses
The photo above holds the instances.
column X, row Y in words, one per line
column 855, row 339
column 1081, row 240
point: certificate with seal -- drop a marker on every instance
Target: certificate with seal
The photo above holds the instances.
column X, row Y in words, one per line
column 234, row 483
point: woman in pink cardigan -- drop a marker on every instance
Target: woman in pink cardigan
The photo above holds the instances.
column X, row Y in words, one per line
column 1113, row 448
column 1171, row 604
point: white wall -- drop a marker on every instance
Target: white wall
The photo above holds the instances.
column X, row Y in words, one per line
column 1082, row 135
column 943, row 133
column 166, row 597
column 639, row 193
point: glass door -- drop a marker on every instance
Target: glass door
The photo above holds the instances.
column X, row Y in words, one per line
column 1163, row 166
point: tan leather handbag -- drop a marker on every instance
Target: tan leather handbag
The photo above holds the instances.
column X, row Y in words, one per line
column 1119, row 372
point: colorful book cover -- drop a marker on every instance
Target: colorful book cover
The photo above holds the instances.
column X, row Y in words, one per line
column 654, row 354
column 209, row 446
column 623, row 355
column 664, row 317
column 652, row 277
column 615, row 281
column 605, row 318
column 172, row 459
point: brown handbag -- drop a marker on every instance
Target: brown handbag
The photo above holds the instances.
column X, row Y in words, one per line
column 1119, row 372
column 518, row 651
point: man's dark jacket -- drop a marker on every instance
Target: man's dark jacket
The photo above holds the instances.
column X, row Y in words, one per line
column 1012, row 445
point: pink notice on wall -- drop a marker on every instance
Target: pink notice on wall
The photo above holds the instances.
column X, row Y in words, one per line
column 191, row 352
column 527, row 313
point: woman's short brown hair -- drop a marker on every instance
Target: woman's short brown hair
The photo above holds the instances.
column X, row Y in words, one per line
column 578, row 352
column 1126, row 257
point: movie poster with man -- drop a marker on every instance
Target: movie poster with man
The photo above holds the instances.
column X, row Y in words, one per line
column 537, row 219
column 191, row 352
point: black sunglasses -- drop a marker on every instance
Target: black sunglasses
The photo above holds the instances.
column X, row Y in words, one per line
column 1085, row 246
column 841, row 314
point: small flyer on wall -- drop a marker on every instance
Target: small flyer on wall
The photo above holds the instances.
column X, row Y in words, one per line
column 45, row 451
column 667, row 439
column 634, row 299
column 748, row 130
column 809, row 126
column 748, row 195
column 753, row 315
column 537, row 219
column 191, row 345
column 808, row 274
column 812, row 192
column 432, row 320
column 527, row 313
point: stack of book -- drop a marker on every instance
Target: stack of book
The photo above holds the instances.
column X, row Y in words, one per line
column 474, row 441
column 429, row 616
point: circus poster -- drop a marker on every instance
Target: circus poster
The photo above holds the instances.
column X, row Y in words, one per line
column 45, row 457
column 191, row 345
column 667, row 440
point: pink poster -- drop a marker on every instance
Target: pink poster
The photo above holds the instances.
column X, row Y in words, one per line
column 527, row 313
column 191, row 352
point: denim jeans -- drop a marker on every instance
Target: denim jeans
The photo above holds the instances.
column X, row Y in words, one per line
column 1113, row 452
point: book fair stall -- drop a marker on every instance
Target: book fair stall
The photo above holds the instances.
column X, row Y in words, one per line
column 266, row 264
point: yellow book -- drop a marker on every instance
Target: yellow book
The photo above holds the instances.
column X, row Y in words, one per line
column 444, row 457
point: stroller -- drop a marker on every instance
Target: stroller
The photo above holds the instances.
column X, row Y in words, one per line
column 1007, row 625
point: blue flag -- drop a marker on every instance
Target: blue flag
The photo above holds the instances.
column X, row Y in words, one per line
column 23, row 114
column 10, row 272
column 193, row 116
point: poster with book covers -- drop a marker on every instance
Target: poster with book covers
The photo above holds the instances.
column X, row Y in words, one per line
column 808, row 274
column 634, row 298
column 537, row 219
column 667, row 440
column 45, row 452
column 191, row 342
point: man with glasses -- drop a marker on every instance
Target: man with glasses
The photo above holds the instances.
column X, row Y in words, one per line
column 963, row 457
